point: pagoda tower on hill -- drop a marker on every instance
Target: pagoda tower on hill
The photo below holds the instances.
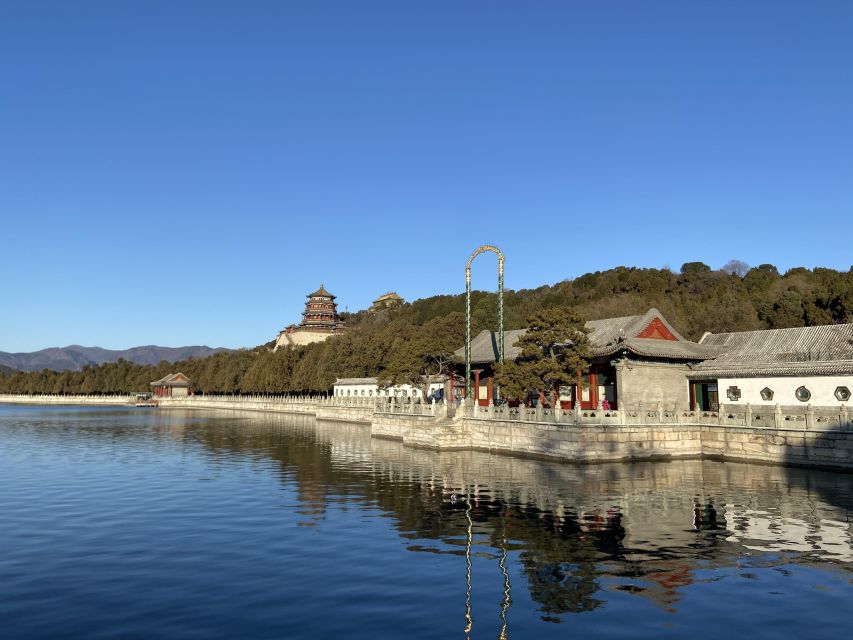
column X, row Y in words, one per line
column 320, row 321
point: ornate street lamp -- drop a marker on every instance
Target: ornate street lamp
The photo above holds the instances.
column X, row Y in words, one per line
column 483, row 249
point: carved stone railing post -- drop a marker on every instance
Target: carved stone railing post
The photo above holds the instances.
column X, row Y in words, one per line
column 777, row 416
column 748, row 415
column 809, row 417
column 843, row 420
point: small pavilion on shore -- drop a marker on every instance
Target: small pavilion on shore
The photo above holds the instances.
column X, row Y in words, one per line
column 174, row 385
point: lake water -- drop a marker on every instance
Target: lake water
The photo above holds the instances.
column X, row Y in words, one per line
column 137, row 523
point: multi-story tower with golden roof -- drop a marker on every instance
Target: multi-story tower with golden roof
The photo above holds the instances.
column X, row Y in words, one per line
column 320, row 321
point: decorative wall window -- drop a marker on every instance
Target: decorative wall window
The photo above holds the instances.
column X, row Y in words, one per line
column 370, row 393
column 733, row 394
column 803, row 394
column 767, row 393
column 842, row 393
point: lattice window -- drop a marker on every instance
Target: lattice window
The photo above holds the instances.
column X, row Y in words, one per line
column 767, row 394
column 803, row 394
column 733, row 394
column 842, row 393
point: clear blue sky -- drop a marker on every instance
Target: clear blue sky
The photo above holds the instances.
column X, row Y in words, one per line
column 184, row 172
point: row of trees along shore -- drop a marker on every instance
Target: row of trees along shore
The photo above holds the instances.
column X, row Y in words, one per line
column 398, row 345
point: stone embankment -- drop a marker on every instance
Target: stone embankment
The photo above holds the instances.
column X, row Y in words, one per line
column 67, row 399
column 776, row 435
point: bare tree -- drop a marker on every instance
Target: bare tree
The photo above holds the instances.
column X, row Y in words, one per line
column 736, row 267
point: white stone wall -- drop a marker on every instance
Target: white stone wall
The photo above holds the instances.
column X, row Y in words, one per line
column 372, row 390
column 647, row 383
column 300, row 338
column 822, row 389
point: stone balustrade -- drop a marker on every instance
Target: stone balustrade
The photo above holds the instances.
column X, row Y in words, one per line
column 813, row 436
column 775, row 417
column 60, row 399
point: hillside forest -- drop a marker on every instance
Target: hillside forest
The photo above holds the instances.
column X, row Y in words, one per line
column 399, row 344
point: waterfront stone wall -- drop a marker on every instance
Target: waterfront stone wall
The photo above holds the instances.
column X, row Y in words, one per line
column 799, row 435
column 345, row 413
column 66, row 400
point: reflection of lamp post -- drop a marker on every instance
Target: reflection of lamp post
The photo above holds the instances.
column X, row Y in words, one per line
column 483, row 249
column 502, row 564
column 469, row 621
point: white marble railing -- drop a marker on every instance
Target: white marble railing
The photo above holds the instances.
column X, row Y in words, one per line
column 59, row 399
column 776, row 417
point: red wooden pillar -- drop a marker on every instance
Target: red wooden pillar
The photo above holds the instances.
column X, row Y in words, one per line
column 490, row 385
column 593, row 390
column 579, row 394
column 477, row 385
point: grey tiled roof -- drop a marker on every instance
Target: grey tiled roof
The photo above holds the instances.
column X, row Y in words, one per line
column 670, row 349
column 710, row 369
column 355, row 381
column 821, row 350
column 484, row 346
column 611, row 329
column 608, row 336
column 170, row 381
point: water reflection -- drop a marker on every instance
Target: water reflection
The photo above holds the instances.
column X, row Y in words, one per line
column 578, row 532
column 517, row 543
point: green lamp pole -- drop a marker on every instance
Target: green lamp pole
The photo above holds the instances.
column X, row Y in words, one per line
column 483, row 249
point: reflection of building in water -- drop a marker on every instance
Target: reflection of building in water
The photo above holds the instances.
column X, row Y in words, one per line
column 772, row 532
column 577, row 532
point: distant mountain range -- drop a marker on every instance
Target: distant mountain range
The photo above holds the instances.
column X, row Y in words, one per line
column 75, row 357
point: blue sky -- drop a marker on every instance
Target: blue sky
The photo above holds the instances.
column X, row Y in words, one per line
column 184, row 172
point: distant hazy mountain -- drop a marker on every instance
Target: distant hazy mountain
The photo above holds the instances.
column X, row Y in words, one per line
column 6, row 369
column 76, row 357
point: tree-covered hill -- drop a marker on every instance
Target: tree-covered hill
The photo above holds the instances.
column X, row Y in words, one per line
column 695, row 300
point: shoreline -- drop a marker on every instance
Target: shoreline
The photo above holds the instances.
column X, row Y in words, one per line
column 819, row 444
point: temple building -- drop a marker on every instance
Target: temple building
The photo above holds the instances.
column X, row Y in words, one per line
column 635, row 360
column 320, row 321
column 386, row 301
column 797, row 366
column 643, row 361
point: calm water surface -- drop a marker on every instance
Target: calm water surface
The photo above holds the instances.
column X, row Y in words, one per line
column 171, row 524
